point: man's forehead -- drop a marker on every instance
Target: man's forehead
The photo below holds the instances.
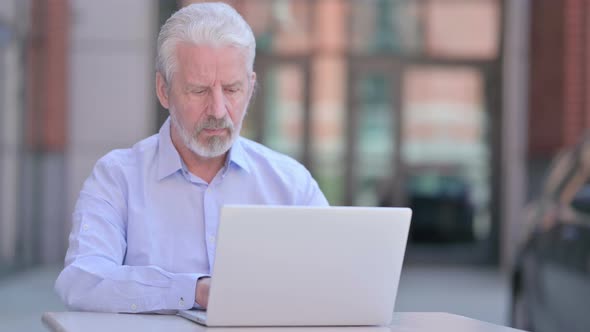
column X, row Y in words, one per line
column 207, row 78
column 201, row 62
column 190, row 84
column 206, row 54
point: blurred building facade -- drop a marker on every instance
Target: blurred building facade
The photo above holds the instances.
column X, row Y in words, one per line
column 11, row 88
column 387, row 102
column 559, row 81
column 77, row 82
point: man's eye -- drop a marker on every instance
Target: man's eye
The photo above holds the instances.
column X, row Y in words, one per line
column 231, row 90
column 199, row 92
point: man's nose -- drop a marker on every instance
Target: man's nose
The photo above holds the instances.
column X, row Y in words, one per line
column 217, row 107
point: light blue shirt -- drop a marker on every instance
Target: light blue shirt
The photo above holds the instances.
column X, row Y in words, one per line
column 144, row 228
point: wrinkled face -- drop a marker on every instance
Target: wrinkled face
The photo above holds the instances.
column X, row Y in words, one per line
column 207, row 97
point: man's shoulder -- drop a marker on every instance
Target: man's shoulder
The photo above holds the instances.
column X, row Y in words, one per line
column 261, row 155
column 130, row 157
column 280, row 178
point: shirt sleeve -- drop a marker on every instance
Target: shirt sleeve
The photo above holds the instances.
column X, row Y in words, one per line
column 94, row 277
column 313, row 195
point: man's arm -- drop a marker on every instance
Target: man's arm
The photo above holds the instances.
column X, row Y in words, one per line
column 313, row 195
column 94, row 278
column 95, row 285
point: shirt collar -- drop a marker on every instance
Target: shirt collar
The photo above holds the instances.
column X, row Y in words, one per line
column 238, row 156
column 169, row 160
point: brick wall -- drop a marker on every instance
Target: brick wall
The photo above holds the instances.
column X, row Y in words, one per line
column 559, row 107
column 47, row 76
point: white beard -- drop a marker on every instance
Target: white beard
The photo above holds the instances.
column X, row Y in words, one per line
column 214, row 146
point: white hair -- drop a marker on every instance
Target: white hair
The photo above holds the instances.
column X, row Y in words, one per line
column 216, row 24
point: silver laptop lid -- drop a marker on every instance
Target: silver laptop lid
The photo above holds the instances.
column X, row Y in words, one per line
column 307, row 266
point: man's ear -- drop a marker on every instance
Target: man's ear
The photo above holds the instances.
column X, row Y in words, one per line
column 162, row 90
column 252, row 84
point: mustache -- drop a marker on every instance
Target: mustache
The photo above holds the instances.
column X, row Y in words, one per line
column 213, row 123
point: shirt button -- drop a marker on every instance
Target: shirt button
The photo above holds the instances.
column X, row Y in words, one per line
column 133, row 307
column 181, row 302
column 85, row 227
column 211, row 238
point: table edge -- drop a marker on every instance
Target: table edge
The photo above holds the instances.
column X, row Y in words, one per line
column 51, row 323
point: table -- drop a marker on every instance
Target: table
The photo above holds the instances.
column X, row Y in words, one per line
column 402, row 322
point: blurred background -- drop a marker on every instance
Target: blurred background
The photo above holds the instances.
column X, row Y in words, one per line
column 452, row 107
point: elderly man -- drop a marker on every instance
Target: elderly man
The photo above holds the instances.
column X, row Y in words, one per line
column 144, row 226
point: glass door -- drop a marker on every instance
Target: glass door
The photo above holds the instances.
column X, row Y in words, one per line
column 418, row 135
column 447, row 155
column 279, row 113
column 373, row 166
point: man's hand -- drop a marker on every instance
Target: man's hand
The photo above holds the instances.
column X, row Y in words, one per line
column 202, row 291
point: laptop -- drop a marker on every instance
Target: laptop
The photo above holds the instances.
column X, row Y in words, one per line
column 305, row 266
